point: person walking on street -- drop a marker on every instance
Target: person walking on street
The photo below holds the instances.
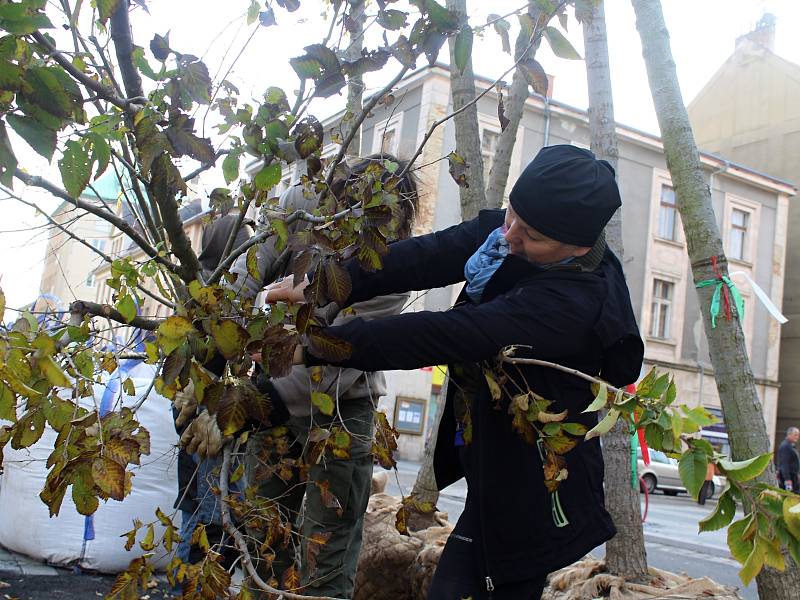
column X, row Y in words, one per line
column 789, row 462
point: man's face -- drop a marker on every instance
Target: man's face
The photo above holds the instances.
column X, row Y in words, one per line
column 535, row 247
column 793, row 437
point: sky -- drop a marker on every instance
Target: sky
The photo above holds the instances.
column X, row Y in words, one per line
column 702, row 33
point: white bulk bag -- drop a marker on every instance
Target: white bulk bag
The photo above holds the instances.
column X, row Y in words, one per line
column 25, row 526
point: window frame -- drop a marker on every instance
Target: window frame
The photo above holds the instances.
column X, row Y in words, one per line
column 393, row 124
column 675, row 215
column 658, row 302
column 749, row 243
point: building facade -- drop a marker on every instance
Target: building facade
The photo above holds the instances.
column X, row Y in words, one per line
column 749, row 111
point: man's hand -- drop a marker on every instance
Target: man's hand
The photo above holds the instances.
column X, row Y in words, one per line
column 186, row 404
column 283, row 290
column 203, row 436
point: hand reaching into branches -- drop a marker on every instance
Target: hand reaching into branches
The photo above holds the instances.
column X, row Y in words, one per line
column 186, row 404
column 285, row 290
column 204, row 437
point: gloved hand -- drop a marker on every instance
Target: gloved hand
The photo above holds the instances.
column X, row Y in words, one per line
column 203, row 436
column 186, row 404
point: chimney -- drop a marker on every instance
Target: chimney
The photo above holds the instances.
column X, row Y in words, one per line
column 763, row 34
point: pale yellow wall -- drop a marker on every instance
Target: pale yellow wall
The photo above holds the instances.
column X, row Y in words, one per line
column 750, row 112
column 67, row 262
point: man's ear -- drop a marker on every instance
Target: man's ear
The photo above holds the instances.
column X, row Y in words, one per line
column 581, row 251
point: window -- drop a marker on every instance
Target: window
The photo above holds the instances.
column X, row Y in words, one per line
column 99, row 245
column 666, row 214
column 388, row 141
column 737, row 242
column 660, row 308
column 386, row 135
column 90, row 280
column 489, row 141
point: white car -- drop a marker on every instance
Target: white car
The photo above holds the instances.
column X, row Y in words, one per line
column 662, row 474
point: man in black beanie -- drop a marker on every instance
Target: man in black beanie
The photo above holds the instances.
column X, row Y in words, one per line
column 538, row 275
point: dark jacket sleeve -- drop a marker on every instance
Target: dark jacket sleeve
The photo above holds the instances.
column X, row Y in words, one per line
column 419, row 263
column 554, row 321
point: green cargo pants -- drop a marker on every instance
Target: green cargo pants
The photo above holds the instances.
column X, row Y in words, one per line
column 336, row 495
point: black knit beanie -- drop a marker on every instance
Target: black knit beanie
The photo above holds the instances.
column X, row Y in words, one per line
column 566, row 194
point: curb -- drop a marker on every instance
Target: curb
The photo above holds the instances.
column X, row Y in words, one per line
column 682, row 543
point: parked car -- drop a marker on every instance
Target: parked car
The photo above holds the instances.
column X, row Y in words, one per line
column 662, row 474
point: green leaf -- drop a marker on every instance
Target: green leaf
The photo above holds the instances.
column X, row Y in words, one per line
column 42, row 139
column 84, row 498
column 127, row 307
column 230, row 167
column 252, row 12
column 604, row 426
column 15, row 18
column 268, row 177
column 600, row 399
column 173, row 332
column 53, row 372
column 723, row 514
column 463, row 47
column 75, row 168
column 574, row 428
column 100, row 153
column 754, row 562
column 129, row 387
column 308, row 137
column 28, row 430
column 11, row 76
column 791, row 515
column 47, row 91
column 501, row 27
column 740, row 546
column 252, row 263
column 744, row 470
column 197, row 82
column 8, row 403
column 8, row 162
column 323, row 402
column 692, row 468
column 230, row 338
column 159, row 46
column 392, row 19
column 560, row 45
column 181, row 135
column 105, row 8
column 282, row 231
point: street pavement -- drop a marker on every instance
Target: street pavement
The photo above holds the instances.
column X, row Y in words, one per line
column 671, row 537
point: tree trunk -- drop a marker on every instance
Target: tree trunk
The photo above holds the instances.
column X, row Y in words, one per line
column 468, row 141
column 355, row 85
column 625, row 553
column 514, row 109
column 741, row 406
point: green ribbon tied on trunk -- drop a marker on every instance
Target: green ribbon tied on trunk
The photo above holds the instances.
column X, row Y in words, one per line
column 723, row 292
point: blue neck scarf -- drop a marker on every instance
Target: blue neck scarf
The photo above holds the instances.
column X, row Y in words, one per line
column 482, row 265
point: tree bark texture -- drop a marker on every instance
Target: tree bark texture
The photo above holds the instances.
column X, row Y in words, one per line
column 741, row 406
column 625, row 553
column 355, row 85
column 468, row 140
column 514, row 109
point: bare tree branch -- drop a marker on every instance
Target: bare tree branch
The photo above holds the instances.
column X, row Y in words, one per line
column 85, row 307
column 123, row 44
column 119, row 223
column 97, row 87
column 192, row 174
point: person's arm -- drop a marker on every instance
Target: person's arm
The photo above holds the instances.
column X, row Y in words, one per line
column 418, row 263
column 246, row 285
column 552, row 321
